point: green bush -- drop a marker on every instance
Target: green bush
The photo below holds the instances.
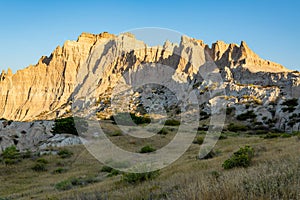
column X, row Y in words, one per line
column 117, row 133
column 236, row 127
column 271, row 135
column 39, row 167
column 163, row 131
column 296, row 133
column 70, row 183
column 248, row 115
column 240, row 158
column 127, row 118
column 111, row 171
column 11, row 155
column 64, row 185
column 223, row 136
column 172, row 122
column 107, row 169
column 261, row 132
column 42, row 160
column 65, row 153
column 198, row 140
column 59, row 170
column 285, row 135
column 67, row 125
column 215, row 174
column 139, row 177
column 26, row 154
column 147, row 149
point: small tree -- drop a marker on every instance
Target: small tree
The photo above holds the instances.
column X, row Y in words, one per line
column 11, row 155
column 67, row 125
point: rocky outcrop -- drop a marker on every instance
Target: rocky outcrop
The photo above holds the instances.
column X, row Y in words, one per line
column 37, row 92
column 97, row 62
column 32, row 136
column 232, row 55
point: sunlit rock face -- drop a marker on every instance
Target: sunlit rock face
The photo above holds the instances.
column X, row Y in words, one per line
column 97, row 63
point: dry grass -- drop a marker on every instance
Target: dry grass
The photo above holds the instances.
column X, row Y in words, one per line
column 274, row 174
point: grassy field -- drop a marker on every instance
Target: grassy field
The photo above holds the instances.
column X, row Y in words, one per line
column 274, row 173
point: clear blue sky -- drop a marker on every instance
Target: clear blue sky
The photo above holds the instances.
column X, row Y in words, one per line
column 30, row 29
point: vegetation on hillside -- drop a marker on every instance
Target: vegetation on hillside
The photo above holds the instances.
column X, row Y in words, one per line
column 67, row 125
column 242, row 166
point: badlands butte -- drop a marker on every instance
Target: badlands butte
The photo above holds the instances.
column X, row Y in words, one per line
column 260, row 94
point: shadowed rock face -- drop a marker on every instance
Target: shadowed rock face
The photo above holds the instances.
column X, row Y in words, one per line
column 45, row 90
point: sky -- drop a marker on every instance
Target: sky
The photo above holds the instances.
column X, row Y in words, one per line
column 31, row 29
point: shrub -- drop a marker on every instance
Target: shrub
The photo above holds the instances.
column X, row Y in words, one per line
column 42, row 160
column 123, row 119
column 223, row 137
column 163, row 131
column 172, row 122
column 64, row 185
column 264, row 118
column 117, row 133
column 285, row 135
column 258, row 123
column 147, row 149
column 261, row 132
column 39, row 167
column 215, row 174
column 70, row 183
column 236, row 127
column 26, row 154
column 198, row 140
column 271, row 135
column 65, row 153
column 203, row 128
column 67, row 125
column 111, row 171
column 59, row 170
column 139, row 177
column 11, row 155
column 106, row 169
column 204, row 115
column 209, row 155
column 288, row 109
column 248, row 115
column 290, row 102
column 229, row 110
column 240, row 158
column 296, row 133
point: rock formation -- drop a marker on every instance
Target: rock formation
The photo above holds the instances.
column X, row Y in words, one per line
column 96, row 63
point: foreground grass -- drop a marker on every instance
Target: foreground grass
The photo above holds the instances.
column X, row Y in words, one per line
column 273, row 174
